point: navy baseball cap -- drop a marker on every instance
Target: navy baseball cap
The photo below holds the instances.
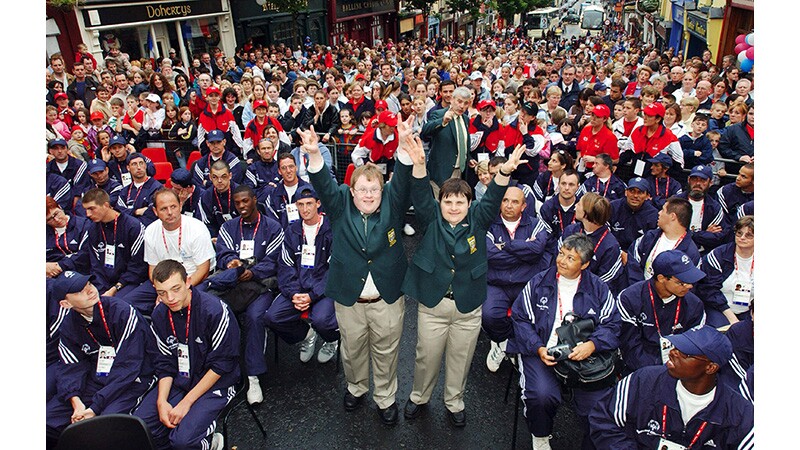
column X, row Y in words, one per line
column 701, row 171
column 307, row 192
column 117, row 140
column 600, row 86
column 96, row 165
column 67, row 283
column 225, row 280
column 706, row 341
column 215, row 136
column 675, row 263
column 661, row 158
column 55, row 142
column 638, row 183
column 181, row 177
column 530, row 108
column 133, row 156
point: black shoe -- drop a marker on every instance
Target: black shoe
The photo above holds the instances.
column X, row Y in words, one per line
column 412, row 410
column 389, row 415
column 351, row 402
column 458, row 419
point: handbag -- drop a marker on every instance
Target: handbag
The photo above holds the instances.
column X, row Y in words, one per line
column 599, row 371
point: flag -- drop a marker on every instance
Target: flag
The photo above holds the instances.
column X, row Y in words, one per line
column 151, row 49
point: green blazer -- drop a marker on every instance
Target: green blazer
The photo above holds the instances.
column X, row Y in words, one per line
column 444, row 145
column 451, row 256
column 354, row 252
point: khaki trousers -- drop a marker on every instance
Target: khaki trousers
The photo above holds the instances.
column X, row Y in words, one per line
column 435, row 187
column 371, row 330
column 444, row 330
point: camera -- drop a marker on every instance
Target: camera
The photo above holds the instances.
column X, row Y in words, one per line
column 559, row 352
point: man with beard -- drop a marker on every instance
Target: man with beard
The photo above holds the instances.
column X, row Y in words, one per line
column 708, row 223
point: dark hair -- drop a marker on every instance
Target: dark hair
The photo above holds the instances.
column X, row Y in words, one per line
column 605, row 159
column 682, row 210
column 455, row 187
column 620, row 83
column 97, row 196
column 446, row 83
column 497, row 160
column 635, row 101
column 563, row 156
column 243, row 188
column 166, row 268
column 220, row 164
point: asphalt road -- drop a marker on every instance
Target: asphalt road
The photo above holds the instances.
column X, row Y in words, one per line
column 303, row 409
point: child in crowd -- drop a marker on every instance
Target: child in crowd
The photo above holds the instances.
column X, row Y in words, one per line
column 170, row 118
column 566, row 138
column 82, row 118
column 718, row 116
column 717, row 167
column 649, row 95
column 184, row 130
column 510, row 108
column 79, row 146
column 98, row 125
column 117, row 111
column 618, row 110
column 55, row 126
column 696, row 147
column 484, row 178
column 132, row 119
column 365, row 121
column 348, row 131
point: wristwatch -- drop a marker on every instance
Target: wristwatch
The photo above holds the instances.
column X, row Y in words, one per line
column 118, row 286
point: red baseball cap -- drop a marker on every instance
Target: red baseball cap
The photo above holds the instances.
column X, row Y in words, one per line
column 381, row 104
column 97, row 115
column 654, row 109
column 212, row 90
column 360, row 77
column 76, row 128
column 601, row 111
column 259, row 104
column 486, row 103
column 60, row 95
column 388, row 117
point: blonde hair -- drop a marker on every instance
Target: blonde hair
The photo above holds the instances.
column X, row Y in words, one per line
column 482, row 167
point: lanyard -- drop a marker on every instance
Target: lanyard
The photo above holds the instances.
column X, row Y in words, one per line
column 255, row 230
column 105, row 325
column 664, row 428
column 600, row 240
column 220, row 203
column 138, row 191
column 735, row 263
column 666, row 192
column 655, row 314
column 316, row 232
column 608, row 183
column 188, row 318
column 561, row 219
column 180, row 236
column 560, row 311
column 104, row 233
column 66, row 244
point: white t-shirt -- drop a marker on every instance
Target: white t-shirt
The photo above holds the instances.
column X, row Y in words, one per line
column 697, row 215
column 690, row 403
column 662, row 245
column 195, row 247
column 743, row 277
column 566, row 291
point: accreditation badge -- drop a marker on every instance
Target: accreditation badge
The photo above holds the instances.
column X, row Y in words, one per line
column 638, row 168
column 126, row 178
column 291, row 212
column 105, row 360
column 742, row 293
column 247, row 248
column 666, row 346
column 483, row 157
column 391, row 237
column 110, row 254
column 664, row 444
column 227, row 217
column 183, row 360
column 307, row 256
column 472, row 247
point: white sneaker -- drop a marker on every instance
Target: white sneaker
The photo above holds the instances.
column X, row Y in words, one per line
column 254, row 394
column 217, row 442
column 541, row 443
column 327, row 352
column 495, row 357
column 308, row 345
column 408, row 230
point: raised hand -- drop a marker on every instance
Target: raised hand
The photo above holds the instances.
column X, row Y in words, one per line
column 404, row 128
column 310, row 140
column 514, row 159
column 413, row 146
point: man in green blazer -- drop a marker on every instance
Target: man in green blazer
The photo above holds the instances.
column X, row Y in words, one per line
column 367, row 267
column 448, row 131
column 448, row 278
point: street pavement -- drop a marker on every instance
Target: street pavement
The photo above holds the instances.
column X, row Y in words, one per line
column 302, row 406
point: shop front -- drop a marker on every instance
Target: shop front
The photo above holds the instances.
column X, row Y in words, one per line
column 697, row 26
column 676, row 35
column 262, row 22
column 149, row 30
column 364, row 21
column 738, row 20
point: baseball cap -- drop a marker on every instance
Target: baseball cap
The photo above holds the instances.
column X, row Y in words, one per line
column 133, row 156
column 706, row 341
column 259, row 104
column 212, row 90
column 701, row 171
column 601, row 111
column 661, row 158
column 638, row 183
column 226, row 280
column 60, row 95
column 97, row 115
column 55, row 142
column 388, row 117
column 675, row 263
column 116, row 140
column 360, row 76
column 530, row 108
column 181, row 177
column 96, row 165
column 654, row 109
column 486, row 103
column 381, row 104
column 153, row 98
column 171, row 50
column 307, row 192
column 600, row 86
column 476, row 75
column 215, row 136
column 68, row 283
column 76, row 128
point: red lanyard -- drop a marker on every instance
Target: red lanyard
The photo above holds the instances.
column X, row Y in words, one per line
column 105, row 325
column 655, row 314
column 560, row 311
column 180, row 236
column 220, row 203
column 138, row 191
column 66, row 244
column 255, row 230
column 666, row 192
column 601, row 240
column 316, row 232
column 104, row 233
column 597, row 186
column 735, row 264
column 188, row 318
column 561, row 219
column 664, row 428
column 676, row 244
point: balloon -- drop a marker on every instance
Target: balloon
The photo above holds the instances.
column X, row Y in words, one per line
column 742, row 55
column 740, row 48
column 746, row 65
column 740, row 38
column 749, row 53
column 749, row 39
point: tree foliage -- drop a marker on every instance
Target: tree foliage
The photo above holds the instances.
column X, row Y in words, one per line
column 508, row 8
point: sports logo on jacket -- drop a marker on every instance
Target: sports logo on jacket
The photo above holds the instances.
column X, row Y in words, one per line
column 542, row 303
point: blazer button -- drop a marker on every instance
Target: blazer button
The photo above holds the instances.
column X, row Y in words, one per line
column 369, row 262
column 363, row 250
column 452, row 256
column 452, row 270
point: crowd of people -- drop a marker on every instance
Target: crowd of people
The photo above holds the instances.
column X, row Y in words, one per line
column 587, row 185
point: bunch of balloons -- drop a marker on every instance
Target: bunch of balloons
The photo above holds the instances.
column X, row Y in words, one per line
column 744, row 50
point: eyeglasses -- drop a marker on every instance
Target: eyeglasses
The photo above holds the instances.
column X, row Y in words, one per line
column 371, row 191
column 53, row 216
column 679, row 282
column 743, row 235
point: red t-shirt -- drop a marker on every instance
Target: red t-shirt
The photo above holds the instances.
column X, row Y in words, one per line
column 590, row 144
